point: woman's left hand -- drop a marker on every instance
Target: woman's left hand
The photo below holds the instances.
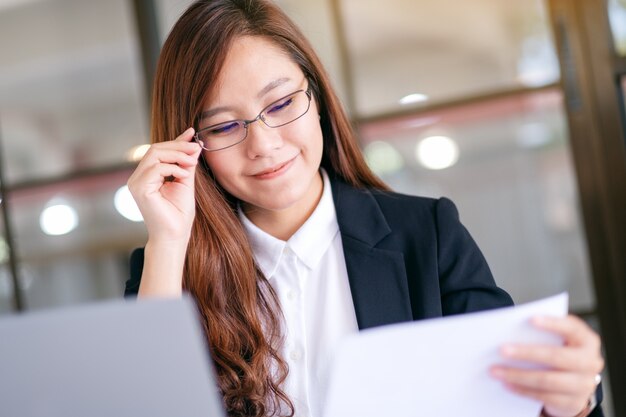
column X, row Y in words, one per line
column 568, row 380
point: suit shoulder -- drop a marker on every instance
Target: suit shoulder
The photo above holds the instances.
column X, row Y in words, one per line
column 393, row 202
column 404, row 211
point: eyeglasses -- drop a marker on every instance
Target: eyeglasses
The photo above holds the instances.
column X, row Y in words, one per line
column 279, row 113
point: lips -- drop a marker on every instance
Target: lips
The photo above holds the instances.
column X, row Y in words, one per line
column 274, row 170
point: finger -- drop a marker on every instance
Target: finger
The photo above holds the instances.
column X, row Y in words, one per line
column 145, row 184
column 190, row 148
column 166, row 172
column 568, row 404
column 574, row 330
column 186, row 136
column 170, row 156
column 549, row 381
column 556, row 357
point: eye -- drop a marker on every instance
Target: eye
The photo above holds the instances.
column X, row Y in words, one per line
column 281, row 105
column 223, row 128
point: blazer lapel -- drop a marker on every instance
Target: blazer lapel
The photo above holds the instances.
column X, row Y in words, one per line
column 377, row 277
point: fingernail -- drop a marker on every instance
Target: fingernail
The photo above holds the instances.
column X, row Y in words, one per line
column 189, row 129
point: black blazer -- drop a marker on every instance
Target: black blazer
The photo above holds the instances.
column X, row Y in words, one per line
column 408, row 258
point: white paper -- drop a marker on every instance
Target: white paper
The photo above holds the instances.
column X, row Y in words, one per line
column 438, row 367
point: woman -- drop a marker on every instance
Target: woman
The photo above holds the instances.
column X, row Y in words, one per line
column 265, row 211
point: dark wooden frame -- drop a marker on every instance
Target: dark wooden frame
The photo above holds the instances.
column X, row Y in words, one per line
column 591, row 74
column 5, row 212
column 147, row 27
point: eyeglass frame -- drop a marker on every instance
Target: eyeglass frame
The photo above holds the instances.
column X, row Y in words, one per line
column 247, row 123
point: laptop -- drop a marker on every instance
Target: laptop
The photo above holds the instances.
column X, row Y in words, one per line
column 114, row 358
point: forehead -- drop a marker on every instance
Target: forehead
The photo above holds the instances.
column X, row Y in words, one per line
column 250, row 65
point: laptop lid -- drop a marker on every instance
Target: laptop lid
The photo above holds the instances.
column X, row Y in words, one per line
column 119, row 358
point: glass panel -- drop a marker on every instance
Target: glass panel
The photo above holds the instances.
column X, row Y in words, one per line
column 71, row 94
column 90, row 260
column 507, row 166
column 6, row 280
column 404, row 53
column 617, row 17
column 6, row 290
column 168, row 11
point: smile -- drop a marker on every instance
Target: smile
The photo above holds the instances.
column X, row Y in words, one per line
column 275, row 171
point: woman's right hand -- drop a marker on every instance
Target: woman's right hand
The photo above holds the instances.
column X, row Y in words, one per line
column 163, row 188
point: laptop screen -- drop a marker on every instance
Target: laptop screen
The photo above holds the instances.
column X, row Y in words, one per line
column 118, row 358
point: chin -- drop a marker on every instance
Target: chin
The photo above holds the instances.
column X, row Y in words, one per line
column 277, row 197
column 278, row 202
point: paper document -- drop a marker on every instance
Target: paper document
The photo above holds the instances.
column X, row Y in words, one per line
column 438, row 367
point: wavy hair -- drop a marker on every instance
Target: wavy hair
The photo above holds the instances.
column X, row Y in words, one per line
column 241, row 315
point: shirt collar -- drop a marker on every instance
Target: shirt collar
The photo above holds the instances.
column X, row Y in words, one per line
column 266, row 248
column 309, row 243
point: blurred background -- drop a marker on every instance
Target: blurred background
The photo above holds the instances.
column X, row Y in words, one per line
column 514, row 109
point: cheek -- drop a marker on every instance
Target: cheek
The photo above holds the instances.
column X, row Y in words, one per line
column 224, row 167
column 313, row 139
column 308, row 134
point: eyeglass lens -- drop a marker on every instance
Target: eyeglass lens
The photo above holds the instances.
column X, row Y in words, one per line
column 277, row 114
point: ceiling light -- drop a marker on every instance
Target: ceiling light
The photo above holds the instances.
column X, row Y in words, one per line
column 126, row 206
column 413, row 98
column 437, row 152
column 383, row 158
column 538, row 64
column 135, row 153
column 58, row 219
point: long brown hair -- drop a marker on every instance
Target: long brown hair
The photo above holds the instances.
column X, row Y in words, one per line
column 241, row 315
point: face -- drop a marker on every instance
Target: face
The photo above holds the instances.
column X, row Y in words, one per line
column 273, row 168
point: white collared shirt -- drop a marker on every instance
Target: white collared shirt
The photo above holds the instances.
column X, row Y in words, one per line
column 308, row 273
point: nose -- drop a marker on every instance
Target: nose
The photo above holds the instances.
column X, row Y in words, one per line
column 262, row 140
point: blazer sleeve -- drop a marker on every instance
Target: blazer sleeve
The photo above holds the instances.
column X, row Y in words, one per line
column 465, row 280
column 597, row 411
column 136, row 268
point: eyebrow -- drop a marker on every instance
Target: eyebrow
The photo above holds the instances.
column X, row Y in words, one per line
column 269, row 87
